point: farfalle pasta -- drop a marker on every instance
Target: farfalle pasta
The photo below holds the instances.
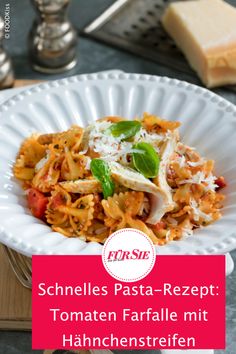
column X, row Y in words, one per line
column 89, row 182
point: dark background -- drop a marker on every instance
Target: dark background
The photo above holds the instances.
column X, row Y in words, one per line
column 93, row 56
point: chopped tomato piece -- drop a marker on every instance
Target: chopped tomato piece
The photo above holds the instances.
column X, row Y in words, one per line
column 160, row 225
column 220, row 181
column 57, row 200
column 37, row 203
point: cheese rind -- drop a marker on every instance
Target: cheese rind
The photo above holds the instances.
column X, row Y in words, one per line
column 205, row 30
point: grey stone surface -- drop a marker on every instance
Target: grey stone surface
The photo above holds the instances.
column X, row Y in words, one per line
column 93, row 56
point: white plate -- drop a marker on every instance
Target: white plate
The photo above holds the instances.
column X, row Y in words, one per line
column 8, row 93
column 208, row 123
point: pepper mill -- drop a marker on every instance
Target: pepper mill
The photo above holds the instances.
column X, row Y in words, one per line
column 52, row 38
column 6, row 71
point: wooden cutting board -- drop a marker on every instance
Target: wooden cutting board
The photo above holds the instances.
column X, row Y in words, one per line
column 15, row 300
column 19, row 83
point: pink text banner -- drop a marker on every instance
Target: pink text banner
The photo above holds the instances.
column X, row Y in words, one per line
column 179, row 305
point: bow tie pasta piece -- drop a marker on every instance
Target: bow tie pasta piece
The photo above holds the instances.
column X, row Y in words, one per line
column 73, row 166
column 75, row 216
column 30, row 153
column 81, row 200
column 82, row 186
column 48, row 175
column 122, row 210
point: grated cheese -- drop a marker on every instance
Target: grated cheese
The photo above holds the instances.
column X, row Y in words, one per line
column 151, row 138
column 182, row 161
column 198, row 213
column 42, row 162
column 196, row 163
column 83, row 152
column 168, row 235
column 107, row 146
column 88, row 161
column 182, row 149
column 200, row 178
column 113, row 149
column 210, row 181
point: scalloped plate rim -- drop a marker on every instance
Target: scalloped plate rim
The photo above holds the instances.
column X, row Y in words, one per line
column 229, row 241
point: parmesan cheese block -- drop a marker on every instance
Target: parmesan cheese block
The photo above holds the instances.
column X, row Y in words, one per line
column 205, row 30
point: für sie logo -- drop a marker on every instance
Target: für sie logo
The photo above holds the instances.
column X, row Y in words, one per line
column 128, row 255
column 122, row 255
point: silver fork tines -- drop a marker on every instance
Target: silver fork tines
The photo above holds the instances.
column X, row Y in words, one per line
column 21, row 266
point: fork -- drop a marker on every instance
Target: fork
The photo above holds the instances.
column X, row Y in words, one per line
column 21, row 266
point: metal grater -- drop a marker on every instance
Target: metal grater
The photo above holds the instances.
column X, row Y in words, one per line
column 135, row 25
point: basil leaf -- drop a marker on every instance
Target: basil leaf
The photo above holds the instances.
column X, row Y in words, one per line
column 126, row 129
column 146, row 161
column 101, row 172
